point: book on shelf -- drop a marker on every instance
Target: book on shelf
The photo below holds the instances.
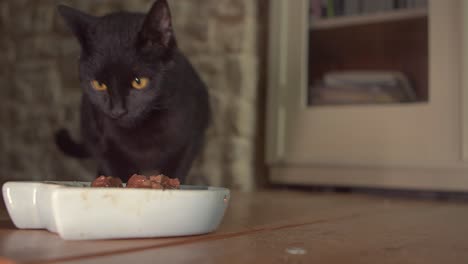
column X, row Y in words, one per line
column 352, row 7
column 339, row 96
column 330, row 8
column 316, row 8
column 320, row 9
column 361, row 87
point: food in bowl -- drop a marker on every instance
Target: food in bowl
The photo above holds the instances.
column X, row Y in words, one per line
column 161, row 182
column 107, row 181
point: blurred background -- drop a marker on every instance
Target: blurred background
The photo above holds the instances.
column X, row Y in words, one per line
column 40, row 90
column 347, row 93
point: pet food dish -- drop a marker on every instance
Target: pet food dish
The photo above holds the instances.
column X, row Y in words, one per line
column 73, row 210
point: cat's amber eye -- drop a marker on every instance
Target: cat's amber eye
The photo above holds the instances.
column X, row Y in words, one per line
column 98, row 86
column 140, row 83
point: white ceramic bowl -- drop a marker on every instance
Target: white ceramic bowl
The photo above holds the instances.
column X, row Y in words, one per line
column 77, row 212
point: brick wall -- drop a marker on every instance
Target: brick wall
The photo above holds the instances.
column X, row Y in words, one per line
column 39, row 90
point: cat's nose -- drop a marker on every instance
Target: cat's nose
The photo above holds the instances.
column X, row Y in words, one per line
column 117, row 113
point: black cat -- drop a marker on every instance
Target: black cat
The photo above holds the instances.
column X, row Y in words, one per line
column 144, row 108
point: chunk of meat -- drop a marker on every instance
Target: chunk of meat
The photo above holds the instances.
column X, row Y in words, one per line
column 103, row 181
column 139, row 181
column 169, row 183
column 153, row 182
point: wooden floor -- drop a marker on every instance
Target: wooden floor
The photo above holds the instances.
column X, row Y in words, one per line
column 279, row 227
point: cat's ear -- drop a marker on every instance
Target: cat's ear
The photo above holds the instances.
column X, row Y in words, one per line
column 157, row 27
column 77, row 21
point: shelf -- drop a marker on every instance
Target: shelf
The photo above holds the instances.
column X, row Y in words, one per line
column 326, row 23
column 389, row 45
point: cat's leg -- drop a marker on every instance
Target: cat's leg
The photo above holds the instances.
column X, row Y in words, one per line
column 117, row 168
column 113, row 162
column 180, row 165
column 100, row 171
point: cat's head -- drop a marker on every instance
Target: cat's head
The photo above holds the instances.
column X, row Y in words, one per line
column 123, row 59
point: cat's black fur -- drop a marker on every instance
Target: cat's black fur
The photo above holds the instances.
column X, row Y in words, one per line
column 132, row 131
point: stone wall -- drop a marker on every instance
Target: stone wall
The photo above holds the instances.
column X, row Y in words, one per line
column 39, row 90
